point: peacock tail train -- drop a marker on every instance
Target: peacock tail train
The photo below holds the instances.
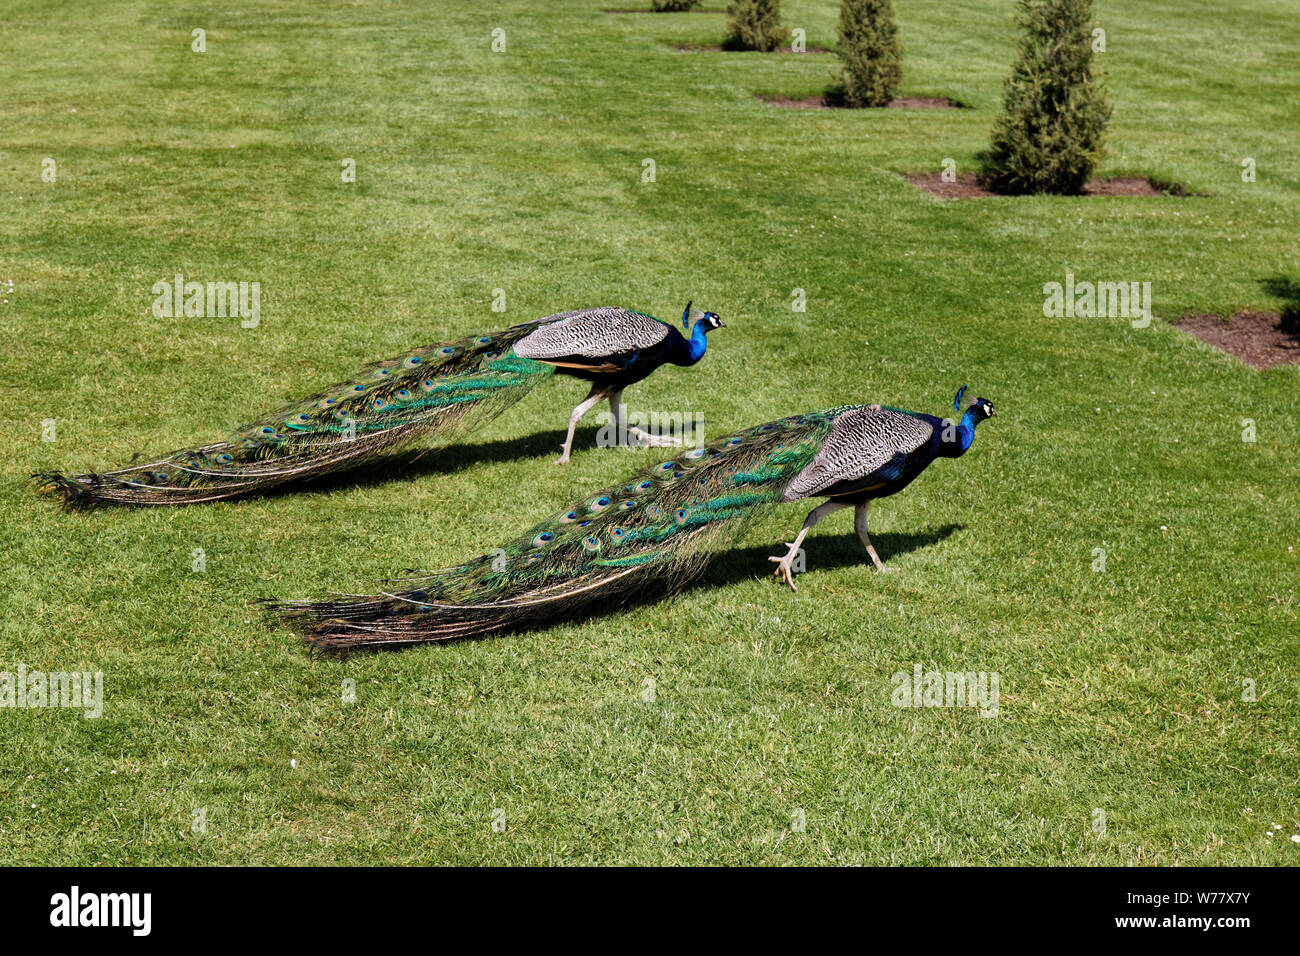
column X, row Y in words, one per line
column 434, row 388
column 646, row 537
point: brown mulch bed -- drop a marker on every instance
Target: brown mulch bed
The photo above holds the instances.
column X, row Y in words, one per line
column 1260, row 339
column 821, row 102
column 970, row 186
column 715, row 48
column 1129, row 186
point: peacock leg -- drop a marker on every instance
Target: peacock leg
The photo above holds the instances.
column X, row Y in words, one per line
column 646, row 439
column 783, row 565
column 860, row 525
column 586, row 405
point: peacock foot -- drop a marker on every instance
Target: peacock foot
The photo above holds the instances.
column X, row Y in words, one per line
column 646, row 440
column 784, row 566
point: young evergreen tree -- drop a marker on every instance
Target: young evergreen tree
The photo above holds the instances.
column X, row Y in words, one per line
column 1048, row 139
column 870, row 51
column 754, row 25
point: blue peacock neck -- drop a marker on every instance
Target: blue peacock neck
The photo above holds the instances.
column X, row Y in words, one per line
column 696, row 345
column 955, row 441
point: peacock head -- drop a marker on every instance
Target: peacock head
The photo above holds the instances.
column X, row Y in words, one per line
column 707, row 321
column 978, row 410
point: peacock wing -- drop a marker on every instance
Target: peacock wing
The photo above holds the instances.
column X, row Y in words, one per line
column 864, row 440
column 592, row 333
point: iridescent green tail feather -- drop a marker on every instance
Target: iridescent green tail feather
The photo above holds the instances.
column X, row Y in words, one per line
column 430, row 390
column 646, row 537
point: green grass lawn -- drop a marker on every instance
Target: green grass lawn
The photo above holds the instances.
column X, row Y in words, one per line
column 522, row 171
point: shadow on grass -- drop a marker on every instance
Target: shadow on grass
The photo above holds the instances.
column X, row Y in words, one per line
column 1288, row 290
column 822, row 554
column 418, row 462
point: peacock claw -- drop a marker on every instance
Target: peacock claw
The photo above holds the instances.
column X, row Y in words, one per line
column 562, row 460
column 783, row 570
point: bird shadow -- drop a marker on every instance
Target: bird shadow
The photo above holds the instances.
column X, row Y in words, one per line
column 821, row 554
column 439, row 460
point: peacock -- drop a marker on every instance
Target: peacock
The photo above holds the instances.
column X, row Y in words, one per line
column 431, row 389
column 650, row 535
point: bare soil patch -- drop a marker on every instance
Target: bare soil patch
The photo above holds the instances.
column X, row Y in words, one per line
column 924, row 103
column 966, row 185
column 823, row 102
column 1260, row 339
column 1127, row 186
column 971, row 186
